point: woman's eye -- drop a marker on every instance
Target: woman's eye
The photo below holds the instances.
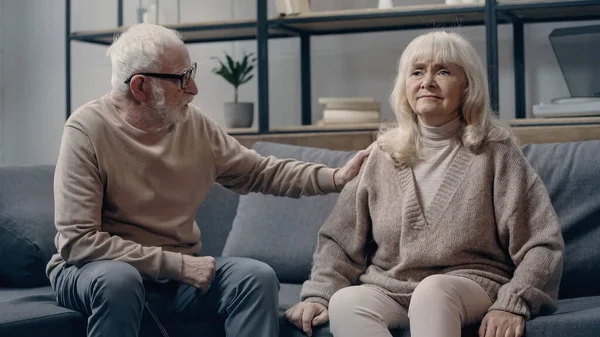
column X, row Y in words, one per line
column 416, row 73
column 444, row 72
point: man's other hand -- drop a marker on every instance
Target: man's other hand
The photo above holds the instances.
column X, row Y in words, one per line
column 198, row 271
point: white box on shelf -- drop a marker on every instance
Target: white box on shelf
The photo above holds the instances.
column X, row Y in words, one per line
column 291, row 7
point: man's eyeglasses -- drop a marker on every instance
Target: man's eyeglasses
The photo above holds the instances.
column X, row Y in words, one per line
column 184, row 78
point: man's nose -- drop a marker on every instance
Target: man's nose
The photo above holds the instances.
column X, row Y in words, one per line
column 192, row 88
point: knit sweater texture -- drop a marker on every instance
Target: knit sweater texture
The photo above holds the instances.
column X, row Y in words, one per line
column 128, row 195
column 491, row 221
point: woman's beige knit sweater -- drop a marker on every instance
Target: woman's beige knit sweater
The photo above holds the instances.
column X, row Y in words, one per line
column 491, row 221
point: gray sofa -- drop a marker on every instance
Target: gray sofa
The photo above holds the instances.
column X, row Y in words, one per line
column 282, row 232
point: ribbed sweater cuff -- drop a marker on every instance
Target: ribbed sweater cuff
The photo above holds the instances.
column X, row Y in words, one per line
column 170, row 267
column 513, row 304
column 325, row 180
column 317, row 300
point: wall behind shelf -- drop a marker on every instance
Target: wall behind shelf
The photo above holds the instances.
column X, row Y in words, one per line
column 1, row 83
column 32, row 66
column 32, row 80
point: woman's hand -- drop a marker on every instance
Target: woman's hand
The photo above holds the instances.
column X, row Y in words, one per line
column 305, row 315
column 501, row 324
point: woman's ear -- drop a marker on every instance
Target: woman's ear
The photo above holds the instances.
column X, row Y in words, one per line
column 140, row 88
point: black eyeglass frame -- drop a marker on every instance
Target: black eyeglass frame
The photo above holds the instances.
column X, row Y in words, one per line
column 180, row 77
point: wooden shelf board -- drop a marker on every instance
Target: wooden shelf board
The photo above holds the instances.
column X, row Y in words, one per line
column 546, row 11
column 530, row 122
column 341, row 127
column 335, row 140
column 239, row 131
column 535, row 2
column 307, row 128
column 380, row 19
column 193, row 32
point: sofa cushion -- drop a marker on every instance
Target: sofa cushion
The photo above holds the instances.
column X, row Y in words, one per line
column 289, row 295
column 578, row 317
column 33, row 312
column 282, row 232
column 26, row 224
column 214, row 218
column 575, row 317
column 572, row 178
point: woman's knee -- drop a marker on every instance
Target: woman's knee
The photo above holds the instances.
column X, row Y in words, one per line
column 354, row 311
column 431, row 287
column 344, row 302
column 434, row 291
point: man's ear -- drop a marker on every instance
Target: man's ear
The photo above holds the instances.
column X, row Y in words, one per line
column 140, row 88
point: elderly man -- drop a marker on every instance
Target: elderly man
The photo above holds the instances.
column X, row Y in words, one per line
column 133, row 168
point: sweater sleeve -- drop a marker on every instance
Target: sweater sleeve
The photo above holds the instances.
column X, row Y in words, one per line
column 530, row 231
column 78, row 195
column 339, row 257
column 243, row 170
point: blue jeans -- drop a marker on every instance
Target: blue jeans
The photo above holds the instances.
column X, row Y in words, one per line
column 112, row 294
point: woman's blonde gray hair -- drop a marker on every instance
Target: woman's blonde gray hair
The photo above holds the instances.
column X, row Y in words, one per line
column 402, row 143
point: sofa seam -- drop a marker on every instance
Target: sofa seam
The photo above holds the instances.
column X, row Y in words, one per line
column 24, row 321
column 26, row 239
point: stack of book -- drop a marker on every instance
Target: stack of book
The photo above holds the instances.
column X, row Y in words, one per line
column 350, row 110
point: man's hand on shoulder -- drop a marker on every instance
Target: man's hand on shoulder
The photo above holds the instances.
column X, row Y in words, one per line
column 198, row 271
column 342, row 176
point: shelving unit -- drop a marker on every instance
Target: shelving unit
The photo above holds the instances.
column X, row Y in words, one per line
column 537, row 11
column 304, row 26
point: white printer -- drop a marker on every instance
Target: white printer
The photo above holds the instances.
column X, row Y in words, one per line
column 577, row 50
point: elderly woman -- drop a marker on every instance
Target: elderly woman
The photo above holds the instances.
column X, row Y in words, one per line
column 445, row 225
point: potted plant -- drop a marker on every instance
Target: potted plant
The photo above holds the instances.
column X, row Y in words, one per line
column 237, row 114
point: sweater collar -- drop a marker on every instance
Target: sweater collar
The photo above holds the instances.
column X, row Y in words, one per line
column 433, row 136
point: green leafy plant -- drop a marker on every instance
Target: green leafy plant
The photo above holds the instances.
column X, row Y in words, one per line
column 236, row 72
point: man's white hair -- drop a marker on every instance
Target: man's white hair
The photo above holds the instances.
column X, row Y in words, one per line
column 139, row 49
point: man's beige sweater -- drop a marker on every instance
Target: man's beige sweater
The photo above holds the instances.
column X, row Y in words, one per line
column 129, row 195
column 491, row 221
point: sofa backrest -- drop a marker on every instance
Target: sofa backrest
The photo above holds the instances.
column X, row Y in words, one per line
column 26, row 224
column 279, row 231
column 571, row 173
column 215, row 217
column 283, row 231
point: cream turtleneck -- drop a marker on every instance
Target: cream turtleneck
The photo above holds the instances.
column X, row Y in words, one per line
column 439, row 146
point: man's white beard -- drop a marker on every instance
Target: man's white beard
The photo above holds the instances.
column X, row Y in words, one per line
column 172, row 115
column 167, row 114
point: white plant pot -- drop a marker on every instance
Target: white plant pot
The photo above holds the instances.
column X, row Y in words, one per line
column 239, row 115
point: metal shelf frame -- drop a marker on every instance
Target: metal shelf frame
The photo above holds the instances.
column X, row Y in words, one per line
column 490, row 15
